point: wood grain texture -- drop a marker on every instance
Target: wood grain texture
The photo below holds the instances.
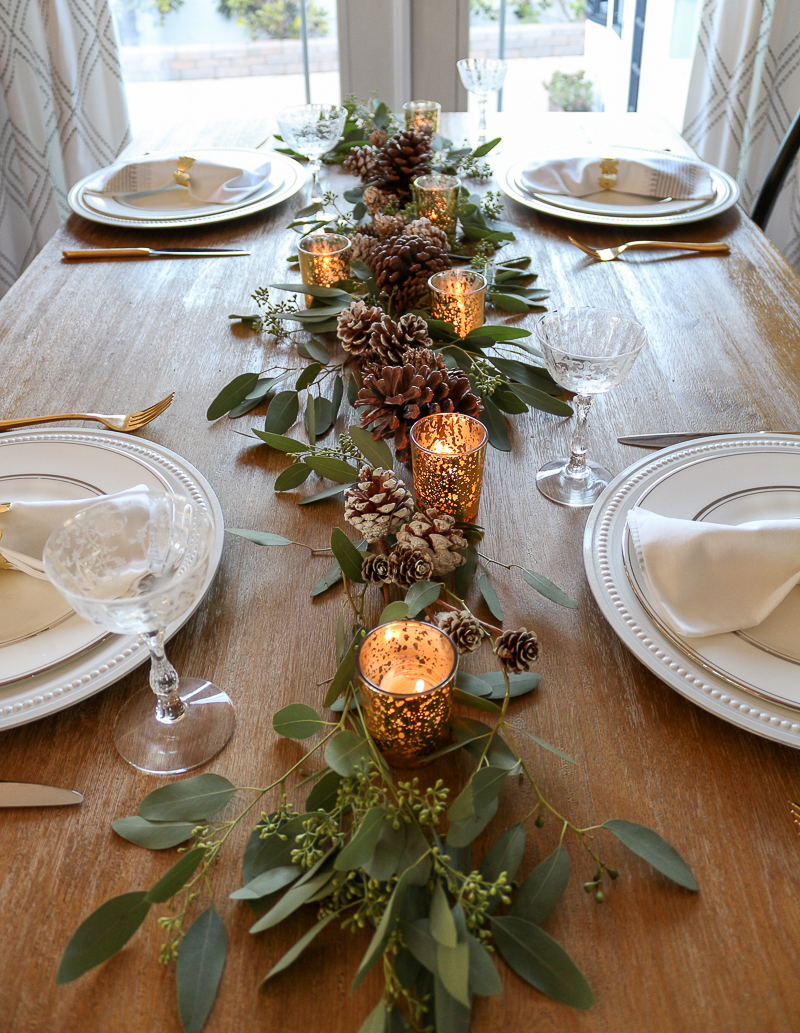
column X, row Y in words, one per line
column 723, row 354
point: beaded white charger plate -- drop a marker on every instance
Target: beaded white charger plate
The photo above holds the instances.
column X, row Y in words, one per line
column 750, row 678
column 51, row 659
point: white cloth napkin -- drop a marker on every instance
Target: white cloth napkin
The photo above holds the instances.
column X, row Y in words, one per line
column 655, row 177
column 27, row 526
column 705, row 579
column 208, row 181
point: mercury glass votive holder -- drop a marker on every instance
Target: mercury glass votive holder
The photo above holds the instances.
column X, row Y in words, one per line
column 448, row 451
column 422, row 114
column 436, row 198
column 324, row 259
column 458, row 297
column 406, row 671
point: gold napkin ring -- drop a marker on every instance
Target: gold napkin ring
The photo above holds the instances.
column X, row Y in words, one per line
column 181, row 174
column 608, row 173
column 4, row 508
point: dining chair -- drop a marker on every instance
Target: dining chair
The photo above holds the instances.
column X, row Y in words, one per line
column 774, row 180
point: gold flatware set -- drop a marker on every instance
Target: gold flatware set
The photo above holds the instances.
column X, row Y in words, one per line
column 608, row 254
column 127, row 423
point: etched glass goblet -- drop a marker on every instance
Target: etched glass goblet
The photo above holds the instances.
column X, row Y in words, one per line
column 482, row 76
column 588, row 351
column 312, row 130
column 133, row 564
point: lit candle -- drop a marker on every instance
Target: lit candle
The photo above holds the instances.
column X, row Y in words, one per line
column 458, row 297
column 422, row 114
column 324, row 259
column 406, row 673
column 448, row 451
column 436, row 198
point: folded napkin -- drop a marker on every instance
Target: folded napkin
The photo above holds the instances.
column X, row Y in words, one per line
column 207, row 181
column 654, row 176
column 26, row 526
column 705, row 579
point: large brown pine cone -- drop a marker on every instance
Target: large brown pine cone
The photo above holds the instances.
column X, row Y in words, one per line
column 354, row 327
column 435, row 533
column 407, row 566
column 402, row 158
column 375, row 569
column 428, row 231
column 392, row 342
column 398, row 396
column 360, row 162
column 378, row 504
column 462, row 628
column 517, row 650
column 402, row 266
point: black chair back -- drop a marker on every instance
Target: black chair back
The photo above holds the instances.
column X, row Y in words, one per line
column 768, row 194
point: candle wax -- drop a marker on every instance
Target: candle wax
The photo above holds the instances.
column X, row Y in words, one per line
column 403, row 683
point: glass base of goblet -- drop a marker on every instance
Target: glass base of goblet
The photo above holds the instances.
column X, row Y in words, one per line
column 169, row 748
column 578, row 492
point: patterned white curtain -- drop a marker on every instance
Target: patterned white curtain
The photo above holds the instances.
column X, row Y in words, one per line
column 743, row 94
column 63, row 115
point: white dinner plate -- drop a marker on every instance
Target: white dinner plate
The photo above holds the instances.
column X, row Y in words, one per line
column 51, row 661
column 623, row 209
column 750, row 678
column 173, row 207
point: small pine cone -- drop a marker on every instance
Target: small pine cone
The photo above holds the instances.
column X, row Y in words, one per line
column 517, row 650
column 378, row 504
column 412, row 332
column 407, row 566
column 374, row 199
column 435, row 533
column 384, row 346
column 377, row 138
column 354, row 326
column 360, row 161
column 361, row 246
column 428, row 231
column 389, row 225
column 462, row 628
column 419, row 357
column 375, row 569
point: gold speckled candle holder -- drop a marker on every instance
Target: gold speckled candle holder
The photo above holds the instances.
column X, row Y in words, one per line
column 406, row 671
column 422, row 114
column 324, row 259
column 447, row 454
column 458, row 297
column 436, row 198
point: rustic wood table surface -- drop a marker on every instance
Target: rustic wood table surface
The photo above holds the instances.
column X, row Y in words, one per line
column 723, row 354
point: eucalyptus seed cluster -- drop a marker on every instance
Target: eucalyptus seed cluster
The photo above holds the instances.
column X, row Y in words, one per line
column 271, row 824
column 475, row 893
column 595, row 884
column 486, row 377
column 346, row 450
column 273, row 315
column 321, row 831
column 428, row 806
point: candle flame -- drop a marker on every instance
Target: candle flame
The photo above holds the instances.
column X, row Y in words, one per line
column 420, row 685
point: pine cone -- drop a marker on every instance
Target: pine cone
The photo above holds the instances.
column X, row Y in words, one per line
column 412, row 332
column 462, row 628
column 362, row 246
column 354, row 326
column 389, row 225
column 419, row 357
column 398, row 396
column 385, row 347
column 378, row 504
column 428, row 231
column 360, row 162
column 377, row 137
column 407, row 566
column 398, row 163
column 402, row 266
column 375, row 569
column 374, row 199
column 434, row 533
column 517, row 650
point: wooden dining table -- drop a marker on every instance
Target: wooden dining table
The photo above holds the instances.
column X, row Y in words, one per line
column 722, row 354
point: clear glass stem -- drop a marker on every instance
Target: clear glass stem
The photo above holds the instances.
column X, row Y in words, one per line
column 164, row 680
column 576, row 467
column 482, row 99
column 314, row 165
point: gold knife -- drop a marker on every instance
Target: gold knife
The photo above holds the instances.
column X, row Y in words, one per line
column 28, row 794
column 148, row 252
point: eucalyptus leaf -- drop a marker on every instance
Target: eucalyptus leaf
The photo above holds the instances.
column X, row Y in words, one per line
column 200, row 964
column 483, row 149
column 495, row 424
column 505, row 854
column 473, row 684
column 323, row 796
column 260, row 537
column 466, row 572
column 524, row 373
column 362, row 845
column 297, row 721
column 270, row 881
column 388, row 851
column 291, row 901
column 451, row 1015
column 333, row 469
column 312, row 289
column 345, row 671
column 280, row 441
column 292, row 476
column 546, row 588
column 102, row 934
column 519, row 684
column 294, row 953
column 177, row 876
column 478, row 794
column 543, row 888
column 453, row 970
column 275, row 851
column 541, row 400
column 323, row 415
column 377, row 453
column 345, row 752
column 153, row 836
column 545, row 745
column 352, row 391
column 507, row 302
column 415, row 860
column 656, row 851
column 421, row 943
column 282, row 412
column 490, row 596
column 347, row 554
column 498, row 333
column 476, row 702
column 396, row 611
column 420, row 595
column 443, row 928
column 385, row 926
column 462, row 833
column 326, row 493
column 541, row 961
column 336, row 398
column 311, row 420
column 190, row 799
column 484, row 978
column 505, row 400
column 375, row 1022
column 232, row 395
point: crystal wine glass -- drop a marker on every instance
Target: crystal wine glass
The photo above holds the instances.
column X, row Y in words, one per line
column 588, row 351
column 482, row 76
column 312, row 130
column 133, row 564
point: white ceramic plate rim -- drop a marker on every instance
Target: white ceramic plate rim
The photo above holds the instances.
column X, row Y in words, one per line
column 602, row 554
column 294, row 177
column 56, row 689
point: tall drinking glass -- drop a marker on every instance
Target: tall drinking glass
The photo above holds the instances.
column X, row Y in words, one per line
column 588, row 351
column 133, row 564
column 312, row 130
column 482, row 76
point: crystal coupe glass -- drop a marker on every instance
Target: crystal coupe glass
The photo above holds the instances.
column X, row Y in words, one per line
column 588, row 351
column 133, row 564
column 312, row 130
column 482, row 76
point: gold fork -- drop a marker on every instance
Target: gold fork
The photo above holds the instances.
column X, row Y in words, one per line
column 608, row 254
column 130, row 423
